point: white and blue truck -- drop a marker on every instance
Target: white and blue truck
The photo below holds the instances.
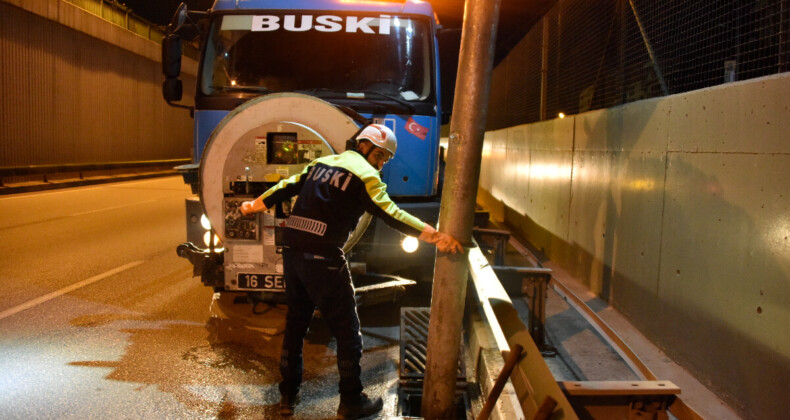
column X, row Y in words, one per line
column 281, row 82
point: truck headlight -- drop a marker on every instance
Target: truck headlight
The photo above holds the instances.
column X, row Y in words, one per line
column 204, row 222
column 206, row 239
column 410, row 244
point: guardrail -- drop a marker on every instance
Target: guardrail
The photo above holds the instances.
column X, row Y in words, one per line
column 81, row 168
column 532, row 380
column 121, row 15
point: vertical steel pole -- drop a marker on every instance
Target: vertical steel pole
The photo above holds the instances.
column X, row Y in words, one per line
column 783, row 19
column 650, row 52
column 544, row 67
column 456, row 215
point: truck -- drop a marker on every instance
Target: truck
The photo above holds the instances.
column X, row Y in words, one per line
column 282, row 82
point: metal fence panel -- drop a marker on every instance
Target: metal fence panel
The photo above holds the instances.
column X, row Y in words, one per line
column 603, row 53
column 72, row 98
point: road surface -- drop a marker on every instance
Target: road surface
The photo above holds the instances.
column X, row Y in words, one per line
column 99, row 318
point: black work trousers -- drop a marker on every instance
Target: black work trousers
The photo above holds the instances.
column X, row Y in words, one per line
column 315, row 281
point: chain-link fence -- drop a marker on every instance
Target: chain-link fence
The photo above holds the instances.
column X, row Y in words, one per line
column 122, row 16
column 593, row 54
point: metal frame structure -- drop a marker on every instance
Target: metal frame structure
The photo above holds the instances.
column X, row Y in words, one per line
column 647, row 398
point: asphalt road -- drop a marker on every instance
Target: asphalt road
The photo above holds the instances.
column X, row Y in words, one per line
column 99, row 318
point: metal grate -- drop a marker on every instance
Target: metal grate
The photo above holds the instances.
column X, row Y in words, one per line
column 414, row 344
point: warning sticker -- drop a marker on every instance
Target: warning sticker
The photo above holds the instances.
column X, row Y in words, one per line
column 247, row 254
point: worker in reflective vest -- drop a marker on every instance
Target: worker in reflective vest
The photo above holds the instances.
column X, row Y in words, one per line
column 334, row 191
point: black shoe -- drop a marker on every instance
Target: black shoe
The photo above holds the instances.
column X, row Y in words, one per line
column 361, row 407
column 287, row 404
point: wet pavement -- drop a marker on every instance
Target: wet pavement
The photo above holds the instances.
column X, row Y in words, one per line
column 240, row 343
column 150, row 366
column 101, row 319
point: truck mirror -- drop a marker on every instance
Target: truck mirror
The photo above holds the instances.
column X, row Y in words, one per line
column 172, row 89
column 171, row 55
column 178, row 18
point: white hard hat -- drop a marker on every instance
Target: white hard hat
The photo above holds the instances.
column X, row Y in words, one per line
column 381, row 136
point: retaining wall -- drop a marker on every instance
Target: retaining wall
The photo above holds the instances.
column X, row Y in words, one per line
column 677, row 211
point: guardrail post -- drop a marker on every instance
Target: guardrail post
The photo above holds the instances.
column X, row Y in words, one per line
column 537, row 311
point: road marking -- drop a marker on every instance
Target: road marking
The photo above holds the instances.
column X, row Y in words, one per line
column 118, row 207
column 49, row 296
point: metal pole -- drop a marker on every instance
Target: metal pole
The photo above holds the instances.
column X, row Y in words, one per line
column 783, row 18
column 621, row 64
column 650, row 52
column 510, row 362
column 456, row 216
column 544, row 67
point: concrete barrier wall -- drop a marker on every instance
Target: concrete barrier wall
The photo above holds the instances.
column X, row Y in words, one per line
column 677, row 211
column 78, row 89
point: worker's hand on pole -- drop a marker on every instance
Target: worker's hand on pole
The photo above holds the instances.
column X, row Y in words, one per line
column 249, row 207
column 447, row 243
column 443, row 241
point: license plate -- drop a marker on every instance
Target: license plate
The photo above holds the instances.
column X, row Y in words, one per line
column 270, row 282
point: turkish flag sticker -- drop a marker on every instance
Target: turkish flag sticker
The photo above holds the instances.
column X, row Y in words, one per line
column 416, row 129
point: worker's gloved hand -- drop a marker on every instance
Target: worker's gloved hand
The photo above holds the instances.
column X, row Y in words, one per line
column 246, row 208
column 446, row 243
column 249, row 207
column 443, row 241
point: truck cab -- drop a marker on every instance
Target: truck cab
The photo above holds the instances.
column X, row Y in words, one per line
column 372, row 61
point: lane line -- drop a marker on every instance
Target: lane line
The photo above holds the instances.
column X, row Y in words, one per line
column 49, row 296
column 118, row 207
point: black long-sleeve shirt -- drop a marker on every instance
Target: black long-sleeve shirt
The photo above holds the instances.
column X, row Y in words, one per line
column 334, row 191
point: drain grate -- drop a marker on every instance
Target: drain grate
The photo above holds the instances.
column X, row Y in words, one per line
column 414, row 345
column 410, row 405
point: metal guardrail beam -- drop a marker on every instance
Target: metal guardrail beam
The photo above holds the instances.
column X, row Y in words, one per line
column 677, row 407
column 532, row 379
column 81, row 167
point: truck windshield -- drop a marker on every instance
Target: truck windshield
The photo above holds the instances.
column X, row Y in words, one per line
column 334, row 54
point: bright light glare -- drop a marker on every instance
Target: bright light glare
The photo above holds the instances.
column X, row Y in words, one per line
column 204, row 222
column 206, row 237
column 561, row 115
column 374, row 2
column 410, row 244
column 549, row 171
column 642, row 184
